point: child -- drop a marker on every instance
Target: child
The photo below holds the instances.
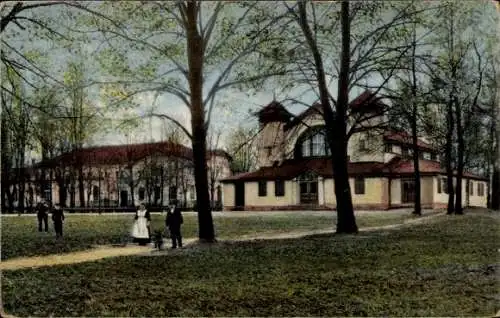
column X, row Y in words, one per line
column 58, row 218
column 158, row 239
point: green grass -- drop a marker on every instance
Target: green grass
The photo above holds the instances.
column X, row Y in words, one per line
column 445, row 268
column 20, row 236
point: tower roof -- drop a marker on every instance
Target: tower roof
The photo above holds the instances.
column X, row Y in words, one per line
column 274, row 112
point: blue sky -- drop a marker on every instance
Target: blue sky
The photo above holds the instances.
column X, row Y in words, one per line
column 232, row 107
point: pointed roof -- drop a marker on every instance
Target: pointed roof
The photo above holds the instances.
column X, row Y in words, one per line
column 273, row 112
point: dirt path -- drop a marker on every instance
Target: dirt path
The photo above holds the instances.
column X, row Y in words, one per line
column 110, row 251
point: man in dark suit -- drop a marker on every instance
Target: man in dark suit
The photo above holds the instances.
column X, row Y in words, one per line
column 43, row 215
column 173, row 222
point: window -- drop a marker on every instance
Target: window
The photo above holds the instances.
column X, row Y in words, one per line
column 445, row 185
column 359, row 185
column 480, row 189
column 192, row 193
column 318, row 145
column 427, row 156
column 157, row 194
column 142, row 193
column 388, row 148
column 471, row 188
column 313, row 187
column 279, row 188
column 262, row 188
column 95, row 193
column 306, row 148
column 312, row 142
column 172, row 193
column 439, row 183
column 433, row 156
column 405, row 152
column 362, row 145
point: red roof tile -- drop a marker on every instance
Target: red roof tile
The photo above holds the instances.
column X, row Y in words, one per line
column 292, row 168
column 122, row 154
column 405, row 167
column 367, row 101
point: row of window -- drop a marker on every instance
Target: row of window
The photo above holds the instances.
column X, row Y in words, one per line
column 279, row 187
column 442, row 187
column 408, row 152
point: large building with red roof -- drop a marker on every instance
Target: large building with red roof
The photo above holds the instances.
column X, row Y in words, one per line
column 295, row 169
column 124, row 176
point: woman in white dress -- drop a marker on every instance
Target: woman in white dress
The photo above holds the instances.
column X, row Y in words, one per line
column 141, row 232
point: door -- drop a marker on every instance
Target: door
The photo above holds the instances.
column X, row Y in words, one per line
column 123, row 198
column 408, row 191
column 239, row 195
column 309, row 192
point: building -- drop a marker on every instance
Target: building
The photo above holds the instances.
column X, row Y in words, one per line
column 295, row 170
column 124, row 176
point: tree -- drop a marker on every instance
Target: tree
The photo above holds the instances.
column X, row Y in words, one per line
column 458, row 71
column 364, row 51
column 184, row 45
column 15, row 139
column 241, row 147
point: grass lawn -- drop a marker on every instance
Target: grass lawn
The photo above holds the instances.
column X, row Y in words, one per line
column 445, row 268
column 20, row 236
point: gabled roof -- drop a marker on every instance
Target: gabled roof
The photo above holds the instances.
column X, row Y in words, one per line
column 366, row 102
column 315, row 109
column 292, row 168
column 123, row 154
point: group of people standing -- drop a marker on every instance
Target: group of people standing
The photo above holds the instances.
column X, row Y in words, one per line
column 141, row 230
column 43, row 209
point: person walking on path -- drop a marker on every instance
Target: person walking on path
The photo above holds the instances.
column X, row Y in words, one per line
column 173, row 222
column 42, row 215
column 58, row 219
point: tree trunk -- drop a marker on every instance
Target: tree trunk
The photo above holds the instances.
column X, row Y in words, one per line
column 199, row 133
column 495, row 188
column 495, row 182
column 346, row 222
column 131, row 184
column 22, row 188
column 460, row 158
column 335, row 123
column 6, row 160
column 414, row 131
column 162, row 184
column 448, row 156
column 416, row 167
column 81, row 186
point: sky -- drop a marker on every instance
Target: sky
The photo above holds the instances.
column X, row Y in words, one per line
column 225, row 118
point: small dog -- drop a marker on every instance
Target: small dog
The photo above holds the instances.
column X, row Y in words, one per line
column 158, row 239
